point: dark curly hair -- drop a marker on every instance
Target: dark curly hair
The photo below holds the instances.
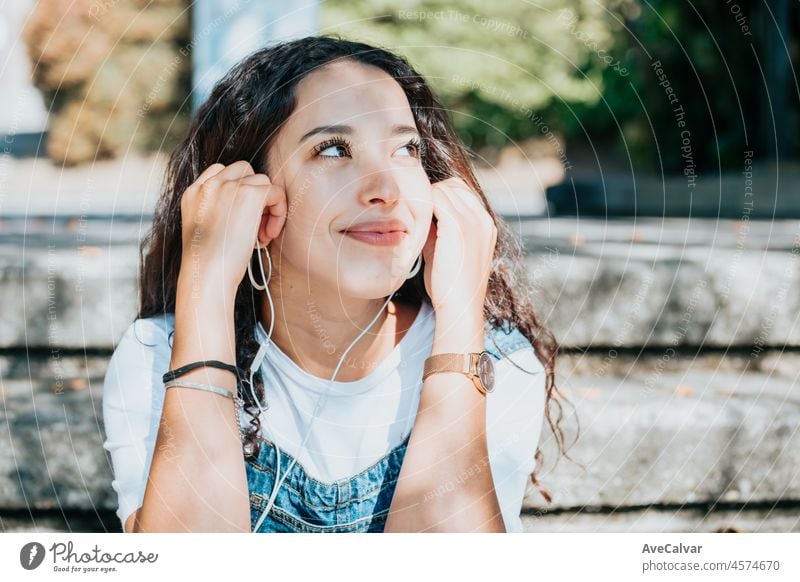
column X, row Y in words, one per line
column 239, row 121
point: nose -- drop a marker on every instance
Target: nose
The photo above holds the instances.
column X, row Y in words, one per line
column 377, row 183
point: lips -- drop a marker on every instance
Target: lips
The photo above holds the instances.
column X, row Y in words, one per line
column 380, row 226
column 382, row 233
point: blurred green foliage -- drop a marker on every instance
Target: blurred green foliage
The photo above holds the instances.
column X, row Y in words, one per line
column 708, row 62
column 492, row 63
column 584, row 66
column 579, row 71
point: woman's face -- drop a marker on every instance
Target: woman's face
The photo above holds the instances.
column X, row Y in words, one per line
column 364, row 169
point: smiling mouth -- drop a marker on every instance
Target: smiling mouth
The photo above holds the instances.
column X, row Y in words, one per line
column 383, row 239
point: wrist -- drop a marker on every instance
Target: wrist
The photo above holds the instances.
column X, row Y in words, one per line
column 200, row 288
column 204, row 318
column 458, row 310
column 459, row 317
column 458, row 333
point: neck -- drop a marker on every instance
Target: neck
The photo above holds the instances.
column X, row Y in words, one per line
column 314, row 326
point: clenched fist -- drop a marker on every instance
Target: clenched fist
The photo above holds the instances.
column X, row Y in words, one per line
column 225, row 214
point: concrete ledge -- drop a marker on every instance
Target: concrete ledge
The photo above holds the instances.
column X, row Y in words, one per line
column 598, row 283
column 51, row 445
column 668, row 521
column 685, row 520
column 658, row 430
column 686, row 393
column 670, row 282
column 653, row 432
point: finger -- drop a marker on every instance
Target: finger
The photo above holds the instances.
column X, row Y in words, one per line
column 235, row 171
column 256, row 180
column 464, row 197
column 460, row 208
column 472, row 208
column 470, row 199
column 443, row 205
column 274, row 206
column 210, row 171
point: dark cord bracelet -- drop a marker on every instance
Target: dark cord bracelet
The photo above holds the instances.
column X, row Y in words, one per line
column 172, row 374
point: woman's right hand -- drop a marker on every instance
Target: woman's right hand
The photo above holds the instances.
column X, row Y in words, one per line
column 223, row 213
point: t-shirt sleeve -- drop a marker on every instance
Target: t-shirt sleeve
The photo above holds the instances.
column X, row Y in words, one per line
column 515, row 414
column 133, row 397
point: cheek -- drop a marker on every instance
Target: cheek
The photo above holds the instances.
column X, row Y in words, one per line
column 417, row 187
column 311, row 216
column 307, row 203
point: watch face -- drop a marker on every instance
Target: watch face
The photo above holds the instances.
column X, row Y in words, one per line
column 486, row 371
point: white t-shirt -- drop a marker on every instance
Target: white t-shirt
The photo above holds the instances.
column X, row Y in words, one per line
column 359, row 422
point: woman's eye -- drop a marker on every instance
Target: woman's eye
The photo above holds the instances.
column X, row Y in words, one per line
column 337, row 149
column 340, row 148
column 412, row 147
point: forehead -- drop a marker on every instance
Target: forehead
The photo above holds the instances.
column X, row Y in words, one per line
column 350, row 93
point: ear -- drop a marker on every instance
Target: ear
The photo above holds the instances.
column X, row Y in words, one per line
column 274, row 215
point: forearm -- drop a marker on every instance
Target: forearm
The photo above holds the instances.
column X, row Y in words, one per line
column 197, row 479
column 445, row 483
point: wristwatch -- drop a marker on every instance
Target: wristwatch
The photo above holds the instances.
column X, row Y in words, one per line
column 479, row 366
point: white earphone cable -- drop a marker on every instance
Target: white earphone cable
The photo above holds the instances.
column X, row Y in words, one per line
column 320, row 401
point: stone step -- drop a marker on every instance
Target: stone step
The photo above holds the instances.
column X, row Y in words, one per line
column 666, row 282
column 654, row 431
column 673, row 429
column 759, row 190
column 40, row 187
column 684, row 520
column 51, row 448
column 72, row 282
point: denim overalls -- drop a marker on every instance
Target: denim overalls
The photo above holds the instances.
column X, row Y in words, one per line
column 356, row 504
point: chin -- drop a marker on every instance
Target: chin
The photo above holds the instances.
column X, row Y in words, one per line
column 370, row 290
column 363, row 285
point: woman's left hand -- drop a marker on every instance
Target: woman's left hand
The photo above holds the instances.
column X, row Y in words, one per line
column 459, row 251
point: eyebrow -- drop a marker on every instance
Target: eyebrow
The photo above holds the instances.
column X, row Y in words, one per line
column 397, row 129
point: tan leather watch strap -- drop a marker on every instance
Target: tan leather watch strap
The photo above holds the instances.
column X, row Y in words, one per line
column 447, row 363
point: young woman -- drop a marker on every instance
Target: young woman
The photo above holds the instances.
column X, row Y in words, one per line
column 321, row 194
